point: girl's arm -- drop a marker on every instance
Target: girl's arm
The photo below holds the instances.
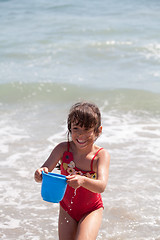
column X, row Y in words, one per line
column 93, row 185
column 51, row 162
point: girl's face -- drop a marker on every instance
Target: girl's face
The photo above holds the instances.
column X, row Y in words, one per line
column 82, row 137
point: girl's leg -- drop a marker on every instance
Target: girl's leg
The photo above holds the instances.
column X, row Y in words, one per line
column 89, row 225
column 67, row 226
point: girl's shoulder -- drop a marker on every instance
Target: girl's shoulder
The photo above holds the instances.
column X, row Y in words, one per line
column 63, row 146
column 60, row 149
column 101, row 158
column 102, row 152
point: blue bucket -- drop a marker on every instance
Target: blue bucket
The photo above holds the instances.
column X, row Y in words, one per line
column 53, row 187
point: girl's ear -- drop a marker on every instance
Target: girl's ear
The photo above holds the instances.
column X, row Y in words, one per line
column 100, row 130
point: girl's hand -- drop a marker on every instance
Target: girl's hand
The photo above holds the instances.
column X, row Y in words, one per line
column 38, row 174
column 75, row 181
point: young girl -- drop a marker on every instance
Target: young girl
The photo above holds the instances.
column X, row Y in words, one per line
column 86, row 166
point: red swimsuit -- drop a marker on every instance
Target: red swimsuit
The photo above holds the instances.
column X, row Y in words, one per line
column 78, row 203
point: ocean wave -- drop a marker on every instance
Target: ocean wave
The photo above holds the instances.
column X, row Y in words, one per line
column 109, row 99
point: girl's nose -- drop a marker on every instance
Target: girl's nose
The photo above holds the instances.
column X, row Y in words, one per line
column 81, row 132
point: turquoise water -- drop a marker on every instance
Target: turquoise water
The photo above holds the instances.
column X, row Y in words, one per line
column 53, row 54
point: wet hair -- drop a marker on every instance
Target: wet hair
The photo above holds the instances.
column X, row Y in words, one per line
column 85, row 115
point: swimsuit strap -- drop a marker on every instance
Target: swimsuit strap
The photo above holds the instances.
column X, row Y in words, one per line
column 94, row 158
column 68, row 145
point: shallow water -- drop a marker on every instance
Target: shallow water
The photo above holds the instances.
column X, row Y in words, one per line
column 131, row 135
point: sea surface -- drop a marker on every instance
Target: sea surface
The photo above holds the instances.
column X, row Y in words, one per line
column 53, row 54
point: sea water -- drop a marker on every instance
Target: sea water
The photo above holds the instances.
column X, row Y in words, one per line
column 53, row 54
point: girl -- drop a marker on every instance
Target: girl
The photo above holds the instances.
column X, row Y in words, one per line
column 86, row 166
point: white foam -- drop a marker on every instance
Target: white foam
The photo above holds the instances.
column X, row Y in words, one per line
column 152, row 51
column 60, row 136
column 10, row 134
column 132, row 131
column 12, row 160
column 10, row 223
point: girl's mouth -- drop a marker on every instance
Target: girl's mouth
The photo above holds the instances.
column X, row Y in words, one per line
column 81, row 141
